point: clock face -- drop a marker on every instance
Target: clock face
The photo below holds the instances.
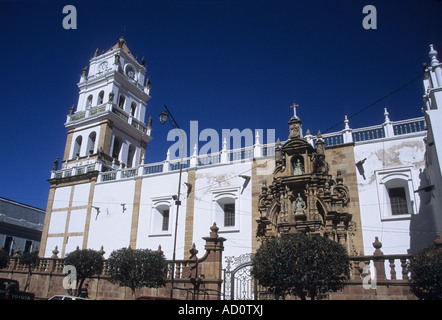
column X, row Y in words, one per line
column 130, row 71
column 102, row 67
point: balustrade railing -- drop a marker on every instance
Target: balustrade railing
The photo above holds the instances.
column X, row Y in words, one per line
column 153, row 168
column 364, row 266
column 333, row 140
column 361, row 267
column 56, row 265
column 371, row 133
column 111, row 107
column 410, row 126
column 386, row 130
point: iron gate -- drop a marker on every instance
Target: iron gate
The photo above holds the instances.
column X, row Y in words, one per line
column 238, row 281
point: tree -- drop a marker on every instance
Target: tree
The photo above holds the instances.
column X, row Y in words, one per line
column 87, row 263
column 137, row 268
column 426, row 274
column 301, row 265
column 30, row 260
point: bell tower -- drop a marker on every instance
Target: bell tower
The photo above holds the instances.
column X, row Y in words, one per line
column 108, row 121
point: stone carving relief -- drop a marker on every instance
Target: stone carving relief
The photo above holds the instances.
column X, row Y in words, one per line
column 302, row 195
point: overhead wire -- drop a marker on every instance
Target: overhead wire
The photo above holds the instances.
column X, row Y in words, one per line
column 377, row 101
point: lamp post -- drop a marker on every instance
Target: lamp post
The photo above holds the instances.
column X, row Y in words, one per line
column 163, row 118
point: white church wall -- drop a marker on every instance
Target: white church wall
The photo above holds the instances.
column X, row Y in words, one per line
column 156, row 193
column 81, row 194
column 219, row 184
column 51, row 243
column 72, row 242
column 77, row 221
column 389, row 163
column 58, row 222
column 110, row 225
column 61, row 197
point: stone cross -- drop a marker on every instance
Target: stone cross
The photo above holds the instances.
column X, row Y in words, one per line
column 294, row 106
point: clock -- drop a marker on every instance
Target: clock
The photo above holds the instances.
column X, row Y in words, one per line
column 102, row 67
column 130, row 71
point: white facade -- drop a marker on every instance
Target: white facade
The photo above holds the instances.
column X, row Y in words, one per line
column 432, row 190
column 112, row 211
column 386, row 164
column 96, row 202
column 383, row 162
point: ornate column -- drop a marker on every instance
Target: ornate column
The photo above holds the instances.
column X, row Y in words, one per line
column 211, row 266
column 378, row 260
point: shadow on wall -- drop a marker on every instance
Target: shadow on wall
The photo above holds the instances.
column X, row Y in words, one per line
column 423, row 225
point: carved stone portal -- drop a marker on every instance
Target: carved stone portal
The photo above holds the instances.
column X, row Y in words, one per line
column 303, row 196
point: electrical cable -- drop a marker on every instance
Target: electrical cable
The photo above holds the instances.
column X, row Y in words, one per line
column 376, row 102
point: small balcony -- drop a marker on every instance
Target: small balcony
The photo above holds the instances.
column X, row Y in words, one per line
column 106, row 108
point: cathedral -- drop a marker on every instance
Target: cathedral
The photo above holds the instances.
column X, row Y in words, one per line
column 350, row 186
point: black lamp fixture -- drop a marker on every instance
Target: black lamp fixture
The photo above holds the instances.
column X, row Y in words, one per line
column 163, row 116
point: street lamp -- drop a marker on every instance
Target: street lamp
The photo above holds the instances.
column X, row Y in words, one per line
column 163, row 118
column 165, row 114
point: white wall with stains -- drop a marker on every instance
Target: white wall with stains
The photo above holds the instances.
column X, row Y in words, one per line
column 383, row 164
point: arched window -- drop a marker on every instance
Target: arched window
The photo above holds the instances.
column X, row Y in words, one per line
column 118, row 143
column 77, row 147
column 161, row 216
column 395, row 191
column 89, row 101
column 91, row 143
column 225, row 212
column 225, row 206
column 398, row 200
column 121, row 101
column 100, row 97
column 133, row 108
column 130, row 157
column 162, row 213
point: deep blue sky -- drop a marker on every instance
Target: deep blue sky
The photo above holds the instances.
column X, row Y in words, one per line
column 225, row 63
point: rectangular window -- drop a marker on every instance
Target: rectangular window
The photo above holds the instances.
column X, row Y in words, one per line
column 165, row 220
column 28, row 246
column 229, row 215
column 8, row 245
column 398, row 201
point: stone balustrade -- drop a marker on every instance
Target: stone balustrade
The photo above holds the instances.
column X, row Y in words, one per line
column 375, row 276
column 107, row 108
column 193, row 278
column 116, row 171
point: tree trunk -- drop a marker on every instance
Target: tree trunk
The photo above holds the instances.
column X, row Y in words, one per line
column 28, row 278
column 133, row 293
column 79, row 287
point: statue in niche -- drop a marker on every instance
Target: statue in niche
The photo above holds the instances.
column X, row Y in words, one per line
column 300, row 206
column 55, row 165
column 111, row 96
column 298, row 167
